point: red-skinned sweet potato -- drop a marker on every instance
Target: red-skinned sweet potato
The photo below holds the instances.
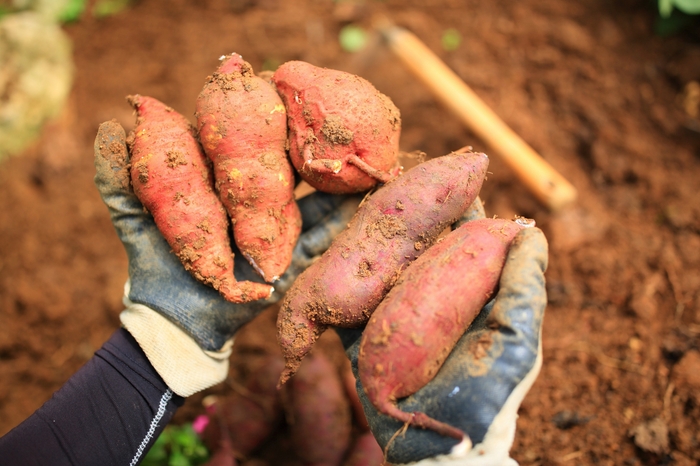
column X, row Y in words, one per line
column 415, row 327
column 390, row 229
column 365, row 451
column 242, row 125
column 172, row 179
column 343, row 133
column 246, row 418
column 350, row 383
column 318, row 412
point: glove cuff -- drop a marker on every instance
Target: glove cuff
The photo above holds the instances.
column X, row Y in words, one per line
column 184, row 366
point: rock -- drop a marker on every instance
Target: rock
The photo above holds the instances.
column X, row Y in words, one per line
column 651, row 436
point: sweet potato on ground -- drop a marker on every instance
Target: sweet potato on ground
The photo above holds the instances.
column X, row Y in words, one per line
column 171, row 178
column 242, row 125
column 390, row 229
column 343, row 133
column 318, row 412
column 415, row 327
column 365, row 451
column 250, row 415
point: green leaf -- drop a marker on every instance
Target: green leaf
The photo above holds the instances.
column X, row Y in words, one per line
column 178, row 459
column 105, row 8
column 156, row 456
column 185, row 436
column 451, row 39
column 665, row 8
column 72, row 12
column 674, row 24
column 352, row 38
column 691, row 7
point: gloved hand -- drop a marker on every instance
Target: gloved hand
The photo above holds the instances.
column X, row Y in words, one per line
column 482, row 383
column 184, row 327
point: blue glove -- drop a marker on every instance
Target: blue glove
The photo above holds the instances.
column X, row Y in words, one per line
column 482, row 383
column 185, row 327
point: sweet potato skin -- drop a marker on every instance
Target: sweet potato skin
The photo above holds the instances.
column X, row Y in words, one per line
column 343, row 133
column 415, row 327
column 390, row 229
column 318, row 412
column 365, row 451
column 242, row 124
column 248, row 419
column 171, row 178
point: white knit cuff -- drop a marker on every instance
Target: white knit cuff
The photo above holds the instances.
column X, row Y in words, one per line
column 184, row 366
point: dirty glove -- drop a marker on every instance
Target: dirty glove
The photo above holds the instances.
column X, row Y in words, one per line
column 185, row 328
column 482, row 383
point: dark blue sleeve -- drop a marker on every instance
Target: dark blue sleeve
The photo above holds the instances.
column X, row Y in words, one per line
column 109, row 413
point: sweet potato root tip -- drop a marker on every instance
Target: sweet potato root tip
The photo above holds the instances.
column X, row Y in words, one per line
column 171, row 178
column 345, row 285
column 422, row 420
column 242, row 124
column 335, row 117
column 296, row 336
column 244, row 292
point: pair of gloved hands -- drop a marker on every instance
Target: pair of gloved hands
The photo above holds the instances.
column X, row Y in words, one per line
column 186, row 328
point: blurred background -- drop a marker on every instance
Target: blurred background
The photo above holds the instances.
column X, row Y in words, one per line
column 607, row 92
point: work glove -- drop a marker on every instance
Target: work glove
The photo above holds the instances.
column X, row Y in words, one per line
column 482, row 383
column 186, row 328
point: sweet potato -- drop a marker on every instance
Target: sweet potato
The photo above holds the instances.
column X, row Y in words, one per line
column 350, row 384
column 249, row 416
column 415, row 327
column 390, row 229
column 242, row 125
column 343, row 133
column 172, row 179
column 365, row 451
column 318, row 412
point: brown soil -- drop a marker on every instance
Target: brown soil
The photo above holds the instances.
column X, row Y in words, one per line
column 587, row 84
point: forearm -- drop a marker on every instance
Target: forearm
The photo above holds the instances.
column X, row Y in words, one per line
column 109, row 412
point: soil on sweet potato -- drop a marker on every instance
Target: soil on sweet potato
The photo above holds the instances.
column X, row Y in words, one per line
column 587, row 84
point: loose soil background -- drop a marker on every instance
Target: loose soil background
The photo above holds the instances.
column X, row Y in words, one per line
column 587, row 84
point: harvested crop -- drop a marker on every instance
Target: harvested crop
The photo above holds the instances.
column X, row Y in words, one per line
column 389, row 230
column 365, row 451
column 318, row 412
column 242, row 125
column 415, row 327
column 358, row 412
column 246, row 418
column 343, row 132
column 171, row 178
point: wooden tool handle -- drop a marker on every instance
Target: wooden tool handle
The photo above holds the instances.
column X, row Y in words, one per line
column 551, row 188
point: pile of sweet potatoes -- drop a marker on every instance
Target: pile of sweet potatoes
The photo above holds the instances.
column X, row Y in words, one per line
column 234, row 175
column 318, row 412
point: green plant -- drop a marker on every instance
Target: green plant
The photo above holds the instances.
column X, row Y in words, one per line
column 691, row 7
column 177, row 446
column 105, row 8
column 451, row 39
column 352, row 38
column 675, row 16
